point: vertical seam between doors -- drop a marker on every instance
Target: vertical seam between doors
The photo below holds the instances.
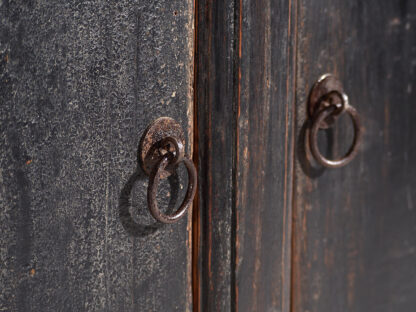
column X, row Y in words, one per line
column 196, row 226
column 294, row 116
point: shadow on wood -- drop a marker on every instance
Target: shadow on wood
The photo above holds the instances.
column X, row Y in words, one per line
column 308, row 164
column 130, row 225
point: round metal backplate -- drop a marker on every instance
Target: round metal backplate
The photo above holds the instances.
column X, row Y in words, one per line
column 325, row 85
column 149, row 153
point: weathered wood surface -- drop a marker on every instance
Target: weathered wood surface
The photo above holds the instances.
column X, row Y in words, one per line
column 245, row 82
column 80, row 81
column 216, row 122
column 355, row 227
column 264, row 155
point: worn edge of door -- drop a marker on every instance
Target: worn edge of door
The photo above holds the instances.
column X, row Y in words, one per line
column 191, row 113
column 212, row 268
column 215, row 287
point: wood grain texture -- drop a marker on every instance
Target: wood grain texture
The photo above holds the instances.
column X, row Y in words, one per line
column 245, row 142
column 80, row 81
column 216, row 84
column 264, row 155
column 354, row 227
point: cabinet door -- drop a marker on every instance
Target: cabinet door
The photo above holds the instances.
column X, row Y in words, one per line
column 275, row 231
column 245, row 83
column 80, row 81
column 355, row 226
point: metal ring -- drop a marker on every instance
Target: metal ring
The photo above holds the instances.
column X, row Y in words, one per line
column 154, row 183
column 179, row 150
column 322, row 115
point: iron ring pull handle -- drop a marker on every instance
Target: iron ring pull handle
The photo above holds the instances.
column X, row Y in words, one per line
column 328, row 109
column 161, row 150
column 154, row 182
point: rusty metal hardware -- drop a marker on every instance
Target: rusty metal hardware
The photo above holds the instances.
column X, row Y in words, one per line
column 161, row 150
column 327, row 102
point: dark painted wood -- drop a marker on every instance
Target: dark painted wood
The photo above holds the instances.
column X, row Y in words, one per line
column 80, row 81
column 216, row 122
column 355, row 227
column 245, row 82
column 264, row 155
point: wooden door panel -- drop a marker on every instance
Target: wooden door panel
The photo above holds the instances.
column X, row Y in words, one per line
column 245, row 78
column 80, row 81
column 354, row 227
column 264, row 155
column 214, row 225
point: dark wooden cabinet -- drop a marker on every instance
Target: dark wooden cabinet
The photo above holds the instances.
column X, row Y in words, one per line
column 270, row 229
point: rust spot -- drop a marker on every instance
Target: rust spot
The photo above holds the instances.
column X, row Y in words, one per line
column 6, row 58
column 29, row 162
column 32, row 272
column 150, row 148
column 175, row 13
